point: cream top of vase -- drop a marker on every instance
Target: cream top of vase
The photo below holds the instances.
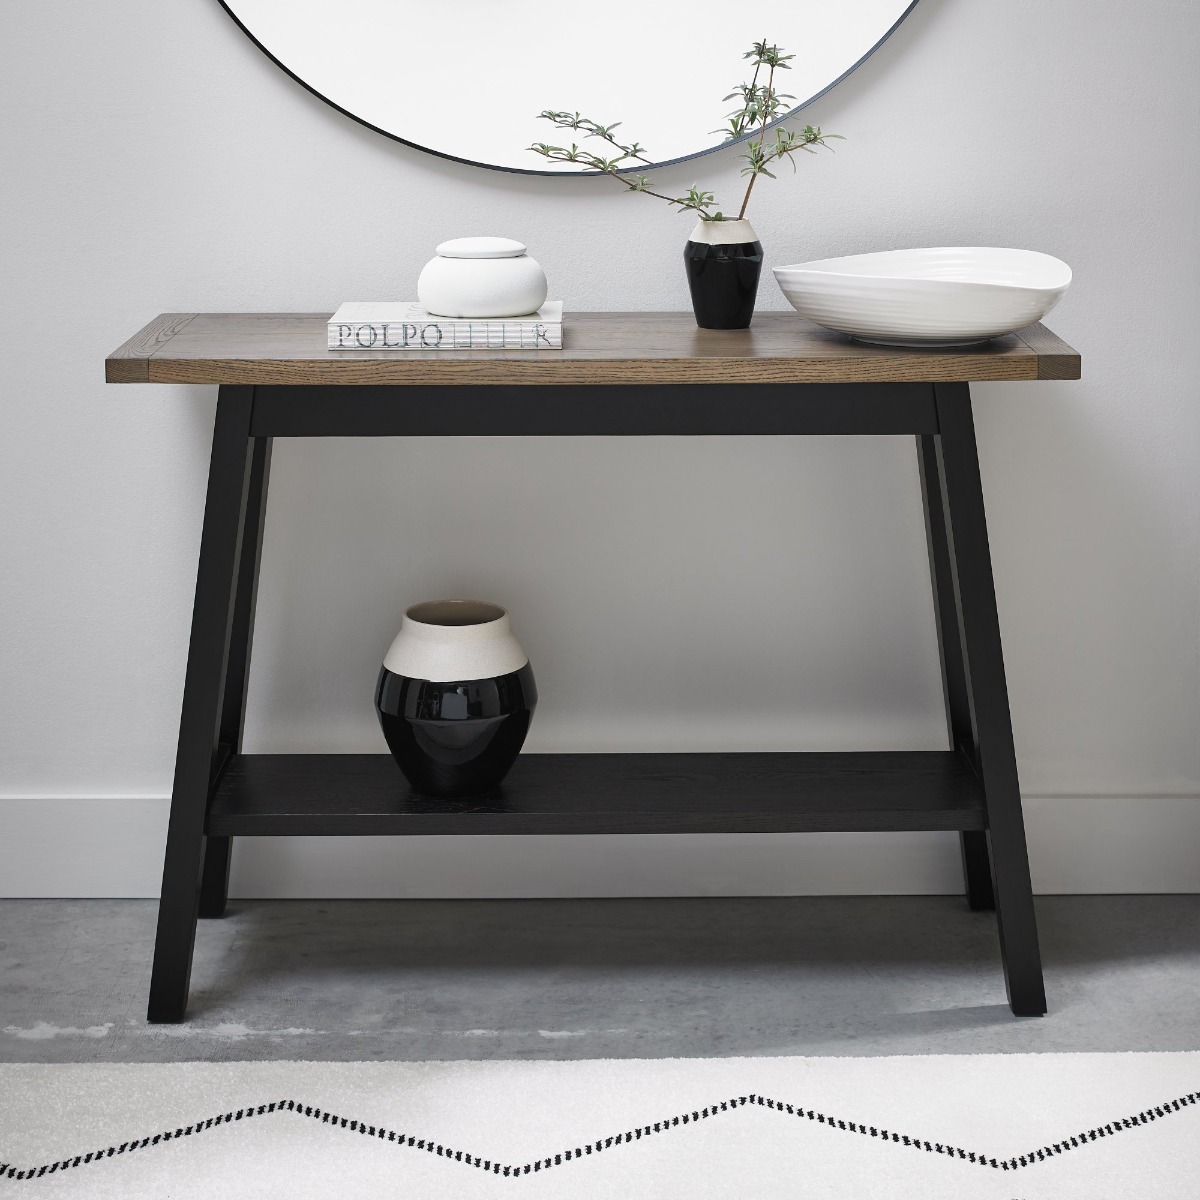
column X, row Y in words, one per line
column 723, row 233
column 443, row 642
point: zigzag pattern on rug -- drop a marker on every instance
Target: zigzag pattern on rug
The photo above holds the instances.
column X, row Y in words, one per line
column 600, row 1145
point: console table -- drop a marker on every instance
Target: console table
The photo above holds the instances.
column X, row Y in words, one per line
column 618, row 374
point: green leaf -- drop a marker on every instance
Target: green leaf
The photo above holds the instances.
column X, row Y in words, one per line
column 761, row 105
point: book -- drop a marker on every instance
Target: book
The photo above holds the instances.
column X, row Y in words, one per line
column 405, row 325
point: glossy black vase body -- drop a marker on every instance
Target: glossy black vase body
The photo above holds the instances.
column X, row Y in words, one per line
column 723, row 278
column 455, row 697
column 456, row 738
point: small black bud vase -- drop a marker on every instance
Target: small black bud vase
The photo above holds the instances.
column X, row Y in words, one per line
column 455, row 697
column 723, row 261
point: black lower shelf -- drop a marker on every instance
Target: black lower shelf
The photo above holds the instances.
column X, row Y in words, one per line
column 365, row 794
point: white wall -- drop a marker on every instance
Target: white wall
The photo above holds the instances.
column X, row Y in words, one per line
column 673, row 594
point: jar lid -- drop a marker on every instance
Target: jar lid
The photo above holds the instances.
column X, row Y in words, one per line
column 481, row 247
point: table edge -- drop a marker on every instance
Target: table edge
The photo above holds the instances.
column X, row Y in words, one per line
column 145, row 358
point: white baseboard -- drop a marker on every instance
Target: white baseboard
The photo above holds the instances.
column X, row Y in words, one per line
column 112, row 847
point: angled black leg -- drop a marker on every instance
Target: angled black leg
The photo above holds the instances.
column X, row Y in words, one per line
column 214, row 881
column 983, row 665
column 977, row 870
column 200, row 754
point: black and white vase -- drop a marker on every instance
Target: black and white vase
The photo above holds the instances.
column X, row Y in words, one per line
column 455, row 697
column 723, row 260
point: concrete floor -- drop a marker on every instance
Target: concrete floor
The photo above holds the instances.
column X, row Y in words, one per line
column 596, row 978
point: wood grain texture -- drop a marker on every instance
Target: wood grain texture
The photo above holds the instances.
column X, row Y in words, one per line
column 347, row 794
column 1056, row 360
column 599, row 348
column 130, row 363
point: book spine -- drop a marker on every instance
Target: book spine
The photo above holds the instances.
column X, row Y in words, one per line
column 449, row 335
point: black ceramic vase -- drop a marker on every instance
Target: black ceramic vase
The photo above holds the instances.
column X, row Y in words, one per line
column 455, row 697
column 723, row 260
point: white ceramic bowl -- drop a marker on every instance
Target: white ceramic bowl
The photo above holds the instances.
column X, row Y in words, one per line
column 942, row 296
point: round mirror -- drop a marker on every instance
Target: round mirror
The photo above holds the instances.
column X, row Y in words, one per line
column 468, row 79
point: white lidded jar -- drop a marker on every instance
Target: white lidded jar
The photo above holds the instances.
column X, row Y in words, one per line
column 482, row 278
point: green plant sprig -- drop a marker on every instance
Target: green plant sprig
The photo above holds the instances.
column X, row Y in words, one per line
column 756, row 101
column 761, row 104
column 694, row 200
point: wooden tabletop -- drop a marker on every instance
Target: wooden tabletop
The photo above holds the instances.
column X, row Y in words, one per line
column 599, row 348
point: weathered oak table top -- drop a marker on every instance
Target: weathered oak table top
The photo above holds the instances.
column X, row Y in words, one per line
column 599, row 348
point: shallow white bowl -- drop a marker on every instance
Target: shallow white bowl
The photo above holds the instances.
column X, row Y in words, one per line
column 942, row 296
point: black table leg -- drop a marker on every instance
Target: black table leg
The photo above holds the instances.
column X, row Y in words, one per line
column 977, row 870
column 983, row 665
column 200, row 754
column 214, row 880
column 214, row 876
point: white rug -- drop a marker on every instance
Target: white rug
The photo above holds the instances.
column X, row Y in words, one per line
column 997, row 1127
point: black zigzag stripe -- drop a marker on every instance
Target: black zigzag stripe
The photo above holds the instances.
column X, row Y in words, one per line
column 7, row 1171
